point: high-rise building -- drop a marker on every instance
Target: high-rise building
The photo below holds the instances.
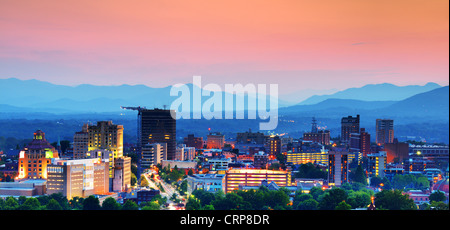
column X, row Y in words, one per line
column 215, row 141
column 360, row 142
column 384, row 131
column 274, row 145
column 349, row 125
column 34, row 158
column 103, row 136
column 106, row 135
column 157, row 126
column 81, row 143
column 81, row 177
column 364, row 142
column 337, row 167
column 377, row 164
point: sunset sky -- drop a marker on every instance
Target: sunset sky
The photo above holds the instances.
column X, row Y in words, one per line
column 298, row 44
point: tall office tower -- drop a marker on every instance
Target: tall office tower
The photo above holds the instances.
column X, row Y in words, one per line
column 34, row 158
column 354, row 143
column 274, row 145
column 377, row 163
column 81, row 143
column 215, row 141
column 337, row 167
column 364, row 142
column 384, row 131
column 105, row 136
column 349, row 125
column 157, row 126
column 192, row 141
column 152, row 154
column 360, row 142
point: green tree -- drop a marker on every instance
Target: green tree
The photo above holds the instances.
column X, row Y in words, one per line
column 437, row 196
column 144, row 182
column 130, row 205
column 21, row 200
column 316, row 192
column 183, row 187
column 332, row 198
column 360, row 176
column 91, row 203
column 110, row 204
column 309, row 170
column 437, row 206
column 2, row 204
column 53, row 205
column 254, row 197
column 159, row 199
column 193, row 204
column 375, row 181
column 30, row 204
column 204, row 196
column 133, row 179
column 151, row 206
column 276, row 198
column 230, row 201
column 62, row 200
column 76, row 203
column 300, row 197
column 11, row 204
column 343, row 206
column 309, row 204
column 394, row 200
column 359, row 199
column 208, row 207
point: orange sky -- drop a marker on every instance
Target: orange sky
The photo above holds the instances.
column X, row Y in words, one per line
column 296, row 44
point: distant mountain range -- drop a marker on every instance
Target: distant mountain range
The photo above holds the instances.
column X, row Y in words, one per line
column 418, row 111
column 33, row 96
column 374, row 92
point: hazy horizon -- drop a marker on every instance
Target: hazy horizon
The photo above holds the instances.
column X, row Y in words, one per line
column 299, row 45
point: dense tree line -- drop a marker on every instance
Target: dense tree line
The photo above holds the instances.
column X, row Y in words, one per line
column 261, row 199
column 348, row 196
column 58, row 202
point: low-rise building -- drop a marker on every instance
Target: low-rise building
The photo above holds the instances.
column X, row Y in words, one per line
column 207, row 182
column 253, row 177
column 27, row 188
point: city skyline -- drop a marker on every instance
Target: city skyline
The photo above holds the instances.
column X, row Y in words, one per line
column 319, row 46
